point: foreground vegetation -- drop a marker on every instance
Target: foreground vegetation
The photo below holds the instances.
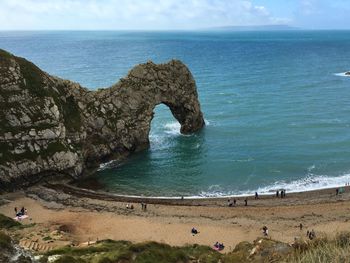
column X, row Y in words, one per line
column 321, row 249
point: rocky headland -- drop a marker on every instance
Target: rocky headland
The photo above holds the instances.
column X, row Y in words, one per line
column 51, row 127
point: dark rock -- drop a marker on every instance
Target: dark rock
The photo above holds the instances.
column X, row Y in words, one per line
column 51, row 126
column 347, row 73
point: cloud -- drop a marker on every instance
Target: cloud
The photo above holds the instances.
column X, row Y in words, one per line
column 324, row 14
column 131, row 14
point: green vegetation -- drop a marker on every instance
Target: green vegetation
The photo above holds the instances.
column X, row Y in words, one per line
column 55, row 147
column 39, row 87
column 323, row 249
column 122, row 251
column 71, row 113
column 7, row 223
column 5, row 241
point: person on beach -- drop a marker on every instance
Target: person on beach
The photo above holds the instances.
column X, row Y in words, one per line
column 301, row 226
column 277, row 193
column 265, row 231
column 145, row 207
column 219, row 246
column 16, row 211
column 194, row 231
column 311, row 234
column 246, row 202
column 142, row 206
column 282, row 193
column 256, row 196
column 234, row 201
column 22, row 211
column 337, row 191
column 229, row 202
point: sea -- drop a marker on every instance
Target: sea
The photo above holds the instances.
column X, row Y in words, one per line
column 276, row 105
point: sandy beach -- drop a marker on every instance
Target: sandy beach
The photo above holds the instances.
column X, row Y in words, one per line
column 91, row 218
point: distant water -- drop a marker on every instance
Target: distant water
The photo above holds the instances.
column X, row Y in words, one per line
column 277, row 106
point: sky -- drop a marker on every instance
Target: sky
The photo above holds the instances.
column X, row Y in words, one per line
column 171, row 14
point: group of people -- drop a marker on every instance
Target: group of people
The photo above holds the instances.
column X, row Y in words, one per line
column 143, row 206
column 311, row 234
column 279, row 193
column 283, row 193
column 233, row 202
column 219, row 246
column 129, row 206
column 21, row 212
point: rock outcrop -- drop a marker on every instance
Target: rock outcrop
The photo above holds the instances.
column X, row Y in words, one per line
column 50, row 126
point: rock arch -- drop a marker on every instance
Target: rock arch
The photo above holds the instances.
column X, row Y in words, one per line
column 133, row 99
column 53, row 126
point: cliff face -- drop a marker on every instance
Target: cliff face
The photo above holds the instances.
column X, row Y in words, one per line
column 51, row 126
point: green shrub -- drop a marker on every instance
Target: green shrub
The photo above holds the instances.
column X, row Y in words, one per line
column 5, row 241
column 7, row 222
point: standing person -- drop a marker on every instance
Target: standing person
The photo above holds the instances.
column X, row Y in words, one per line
column 265, row 231
column 145, row 206
column 246, row 202
column 282, row 193
column 142, row 206
column 234, row 201
column 256, row 196
column 277, row 193
column 301, row 226
column 16, row 211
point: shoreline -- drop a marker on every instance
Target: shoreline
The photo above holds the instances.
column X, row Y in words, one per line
column 64, row 193
column 105, row 194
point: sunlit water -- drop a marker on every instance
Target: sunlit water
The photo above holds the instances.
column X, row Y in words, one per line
column 277, row 106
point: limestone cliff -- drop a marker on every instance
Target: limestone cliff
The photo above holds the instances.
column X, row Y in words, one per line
column 51, row 126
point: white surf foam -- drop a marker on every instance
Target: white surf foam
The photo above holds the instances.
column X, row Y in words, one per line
column 172, row 128
column 343, row 74
column 309, row 183
column 104, row 166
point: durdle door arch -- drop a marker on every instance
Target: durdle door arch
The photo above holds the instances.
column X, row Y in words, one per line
column 55, row 126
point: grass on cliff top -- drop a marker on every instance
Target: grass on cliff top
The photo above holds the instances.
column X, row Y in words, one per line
column 322, row 249
column 109, row 251
column 39, row 87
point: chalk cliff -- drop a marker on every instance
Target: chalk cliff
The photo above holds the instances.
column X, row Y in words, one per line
column 51, row 126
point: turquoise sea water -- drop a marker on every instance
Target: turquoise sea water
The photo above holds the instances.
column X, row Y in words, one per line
column 278, row 115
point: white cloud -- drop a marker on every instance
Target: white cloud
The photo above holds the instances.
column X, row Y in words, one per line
column 131, row 14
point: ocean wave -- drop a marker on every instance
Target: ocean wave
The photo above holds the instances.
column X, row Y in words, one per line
column 172, row 128
column 107, row 165
column 310, row 183
column 343, row 74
